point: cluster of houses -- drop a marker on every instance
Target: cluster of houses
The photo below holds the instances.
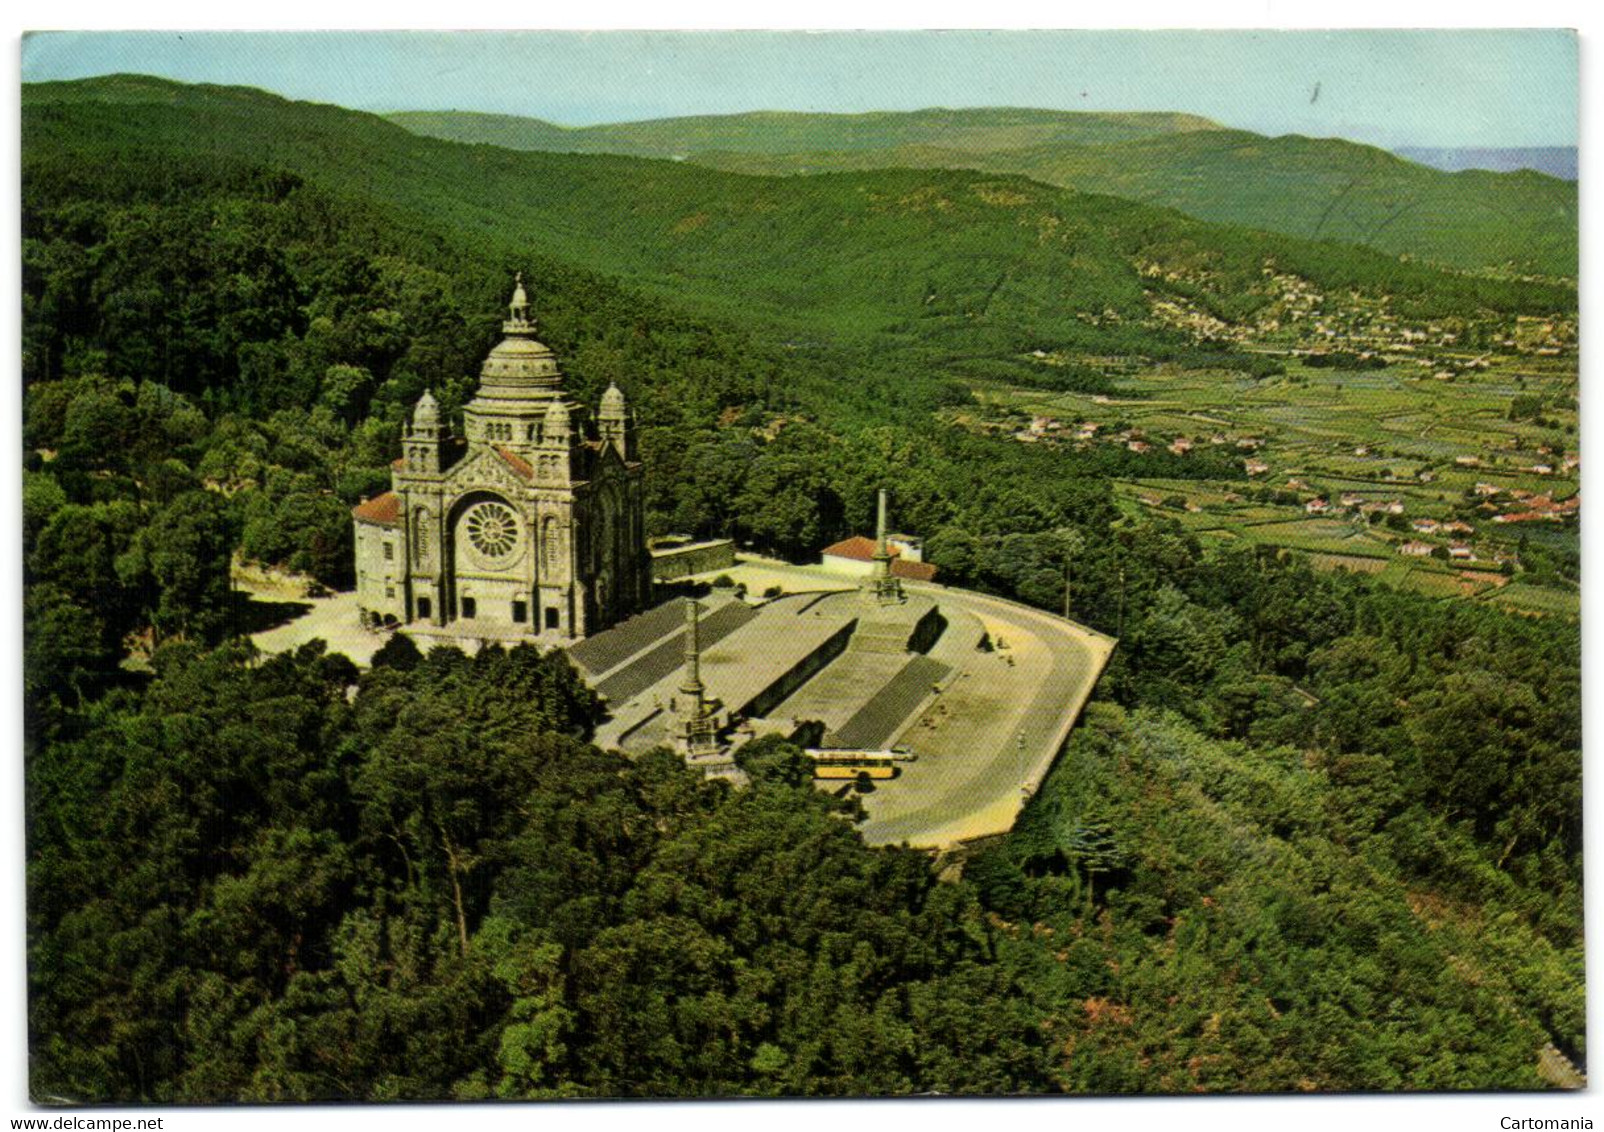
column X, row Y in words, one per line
column 1368, row 328
column 1355, row 503
column 1354, row 323
column 1349, row 501
column 1457, row 551
column 1201, row 325
column 1545, row 337
column 1051, row 428
column 1044, row 428
column 1533, row 508
column 1437, row 527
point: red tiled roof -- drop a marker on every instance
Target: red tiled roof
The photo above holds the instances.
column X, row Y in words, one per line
column 382, row 509
column 517, row 463
column 399, row 463
column 913, row 571
column 857, row 547
column 861, row 549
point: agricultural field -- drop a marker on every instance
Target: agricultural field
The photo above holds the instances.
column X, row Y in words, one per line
column 1451, row 437
column 1540, row 599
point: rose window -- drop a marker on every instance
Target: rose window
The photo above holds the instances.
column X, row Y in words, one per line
column 493, row 530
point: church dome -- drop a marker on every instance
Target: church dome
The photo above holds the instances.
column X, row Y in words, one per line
column 612, row 401
column 520, row 362
column 519, row 368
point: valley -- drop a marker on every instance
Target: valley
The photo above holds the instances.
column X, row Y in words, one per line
column 1413, row 472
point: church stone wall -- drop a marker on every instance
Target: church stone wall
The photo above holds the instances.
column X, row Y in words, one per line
column 670, row 563
column 380, row 573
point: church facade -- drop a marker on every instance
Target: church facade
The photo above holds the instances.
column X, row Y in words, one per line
column 530, row 524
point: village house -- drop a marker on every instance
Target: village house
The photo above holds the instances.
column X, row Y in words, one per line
column 856, row 556
column 1414, row 548
column 1425, row 526
column 1317, row 506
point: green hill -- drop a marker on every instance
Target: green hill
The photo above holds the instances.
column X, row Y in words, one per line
column 777, row 132
column 863, row 253
column 1318, row 188
column 957, row 259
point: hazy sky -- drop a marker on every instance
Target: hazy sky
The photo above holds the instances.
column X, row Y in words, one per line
column 1467, row 88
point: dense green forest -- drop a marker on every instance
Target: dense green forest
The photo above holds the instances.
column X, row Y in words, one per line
column 1312, row 834
column 1295, row 185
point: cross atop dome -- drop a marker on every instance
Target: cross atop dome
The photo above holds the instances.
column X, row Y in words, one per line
column 518, row 321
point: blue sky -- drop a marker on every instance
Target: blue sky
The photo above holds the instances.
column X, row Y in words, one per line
column 1467, row 88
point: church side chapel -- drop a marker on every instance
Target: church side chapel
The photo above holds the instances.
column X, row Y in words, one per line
column 530, row 525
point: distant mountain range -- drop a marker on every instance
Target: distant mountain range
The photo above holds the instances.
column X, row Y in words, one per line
column 784, row 132
column 949, row 262
column 1309, row 187
column 1554, row 160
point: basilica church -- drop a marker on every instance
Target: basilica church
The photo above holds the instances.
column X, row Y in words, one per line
column 529, row 525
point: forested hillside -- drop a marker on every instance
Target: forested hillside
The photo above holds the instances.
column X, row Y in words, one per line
column 1313, row 834
column 922, row 255
column 1309, row 187
column 784, row 132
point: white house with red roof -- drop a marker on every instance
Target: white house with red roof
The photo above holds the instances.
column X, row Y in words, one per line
column 854, row 557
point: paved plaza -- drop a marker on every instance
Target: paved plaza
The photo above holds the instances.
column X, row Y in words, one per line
column 983, row 710
column 983, row 722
